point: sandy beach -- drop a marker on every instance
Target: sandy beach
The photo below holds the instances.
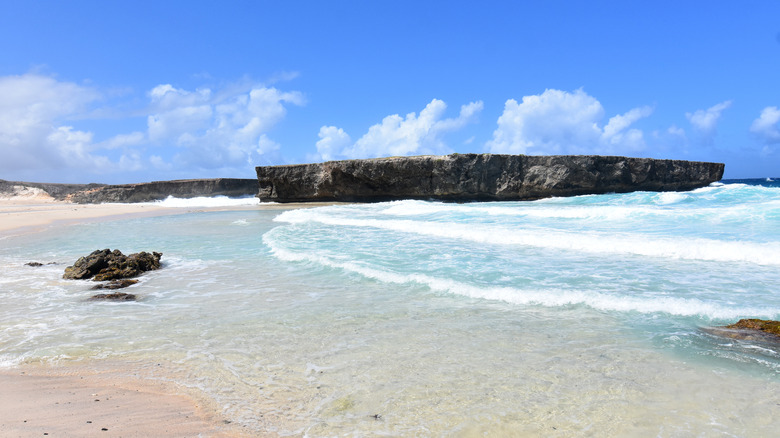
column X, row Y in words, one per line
column 60, row 401
column 84, row 404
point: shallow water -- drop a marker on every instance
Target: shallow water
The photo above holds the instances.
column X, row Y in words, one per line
column 576, row 316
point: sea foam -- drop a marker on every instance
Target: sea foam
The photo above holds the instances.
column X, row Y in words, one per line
column 202, row 201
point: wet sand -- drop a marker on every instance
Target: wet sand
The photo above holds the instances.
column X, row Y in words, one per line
column 56, row 401
column 101, row 405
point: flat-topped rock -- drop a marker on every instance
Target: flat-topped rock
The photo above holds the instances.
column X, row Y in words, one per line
column 479, row 177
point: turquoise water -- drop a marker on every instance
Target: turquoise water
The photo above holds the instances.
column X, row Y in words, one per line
column 576, row 316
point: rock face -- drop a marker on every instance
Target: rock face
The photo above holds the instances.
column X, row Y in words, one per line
column 754, row 330
column 141, row 192
column 103, row 265
column 56, row 191
column 158, row 190
column 764, row 325
column 478, row 177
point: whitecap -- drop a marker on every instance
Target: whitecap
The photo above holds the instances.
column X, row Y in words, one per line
column 202, row 201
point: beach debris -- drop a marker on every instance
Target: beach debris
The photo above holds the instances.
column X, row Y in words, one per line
column 115, row 284
column 102, row 265
column 117, row 296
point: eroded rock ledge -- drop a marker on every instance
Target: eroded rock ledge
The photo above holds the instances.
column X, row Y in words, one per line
column 158, row 190
column 479, row 177
column 140, row 192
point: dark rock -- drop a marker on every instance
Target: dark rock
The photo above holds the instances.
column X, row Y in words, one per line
column 754, row 330
column 478, row 177
column 57, row 191
column 34, row 264
column 115, row 284
column 102, row 265
column 117, row 296
column 158, row 190
column 142, row 192
column 764, row 325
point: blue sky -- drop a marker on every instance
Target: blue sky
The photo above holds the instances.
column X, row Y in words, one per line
column 116, row 92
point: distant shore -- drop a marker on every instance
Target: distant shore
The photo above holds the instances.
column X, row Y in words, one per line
column 20, row 214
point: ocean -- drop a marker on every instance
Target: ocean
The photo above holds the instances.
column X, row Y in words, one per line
column 581, row 316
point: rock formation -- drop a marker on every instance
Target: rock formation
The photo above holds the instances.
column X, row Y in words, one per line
column 104, row 265
column 478, row 177
column 141, row 192
column 118, row 296
column 764, row 325
column 755, row 330
column 56, row 191
column 158, row 190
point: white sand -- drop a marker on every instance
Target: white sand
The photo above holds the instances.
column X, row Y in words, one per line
column 57, row 402
column 101, row 405
column 21, row 215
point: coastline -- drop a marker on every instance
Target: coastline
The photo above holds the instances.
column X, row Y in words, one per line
column 59, row 401
column 62, row 400
column 20, row 215
column 299, row 350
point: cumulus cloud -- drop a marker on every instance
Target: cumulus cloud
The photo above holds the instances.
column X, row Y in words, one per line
column 705, row 121
column 676, row 131
column 214, row 130
column 396, row 135
column 332, row 142
column 559, row 122
column 766, row 125
column 35, row 116
column 201, row 129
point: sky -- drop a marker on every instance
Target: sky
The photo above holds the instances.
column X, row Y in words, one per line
column 121, row 92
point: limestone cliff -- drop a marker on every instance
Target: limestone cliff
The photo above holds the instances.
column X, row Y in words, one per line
column 478, row 177
column 157, row 190
column 141, row 192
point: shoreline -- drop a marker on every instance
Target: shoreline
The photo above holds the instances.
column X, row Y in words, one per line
column 62, row 400
column 24, row 215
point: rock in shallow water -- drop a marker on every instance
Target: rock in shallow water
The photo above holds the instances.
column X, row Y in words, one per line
column 115, row 284
column 757, row 330
column 102, row 265
column 764, row 325
column 119, row 296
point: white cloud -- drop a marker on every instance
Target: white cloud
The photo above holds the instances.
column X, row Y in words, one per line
column 123, row 140
column 332, row 141
column 265, row 145
column 215, row 130
column 559, row 122
column 706, row 121
column 208, row 129
column 34, row 110
column 676, row 131
column 396, row 135
column 766, row 125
